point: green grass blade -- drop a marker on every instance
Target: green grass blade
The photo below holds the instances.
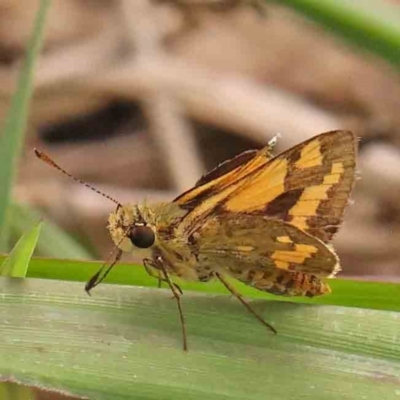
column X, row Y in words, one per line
column 53, row 241
column 373, row 25
column 17, row 262
column 350, row 293
column 11, row 391
column 12, row 136
column 125, row 343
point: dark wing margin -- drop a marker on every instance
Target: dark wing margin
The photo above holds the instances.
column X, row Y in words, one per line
column 226, row 167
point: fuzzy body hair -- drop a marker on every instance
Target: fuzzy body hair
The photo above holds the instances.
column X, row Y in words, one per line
column 163, row 219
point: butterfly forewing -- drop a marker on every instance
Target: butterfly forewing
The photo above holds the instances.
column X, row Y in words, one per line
column 226, row 174
column 308, row 185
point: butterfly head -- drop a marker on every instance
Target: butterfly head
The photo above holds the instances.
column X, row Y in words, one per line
column 132, row 226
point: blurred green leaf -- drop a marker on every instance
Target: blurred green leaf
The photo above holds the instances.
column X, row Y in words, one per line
column 125, row 342
column 374, row 25
column 17, row 262
column 12, row 136
column 53, row 241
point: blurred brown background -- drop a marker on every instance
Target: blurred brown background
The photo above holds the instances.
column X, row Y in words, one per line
column 142, row 97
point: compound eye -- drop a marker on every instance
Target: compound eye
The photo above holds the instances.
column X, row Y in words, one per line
column 142, row 236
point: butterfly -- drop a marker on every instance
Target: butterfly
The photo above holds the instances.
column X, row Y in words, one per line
column 264, row 220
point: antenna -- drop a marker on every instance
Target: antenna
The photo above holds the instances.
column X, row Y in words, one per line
column 45, row 158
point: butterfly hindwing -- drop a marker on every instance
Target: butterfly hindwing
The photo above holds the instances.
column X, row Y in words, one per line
column 239, row 244
column 286, row 283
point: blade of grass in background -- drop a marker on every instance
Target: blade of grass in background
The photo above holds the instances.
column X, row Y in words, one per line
column 374, row 25
column 17, row 262
column 12, row 136
column 16, row 265
column 125, row 343
column 53, row 241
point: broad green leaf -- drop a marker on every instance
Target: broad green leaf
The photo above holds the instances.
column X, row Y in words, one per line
column 352, row 293
column 17, row 263
column 125, row 343
column 12, row 136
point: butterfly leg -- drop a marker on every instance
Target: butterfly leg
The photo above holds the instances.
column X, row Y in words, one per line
column 243, row 301
column 148, row 263
column 159, row 264
column 102, row 273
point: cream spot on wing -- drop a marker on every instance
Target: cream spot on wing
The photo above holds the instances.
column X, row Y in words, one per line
column 284, row 239
column 310, row 156
column 282, row 264
column 306, row 248
column 305, row 208
column 337, row 168
column 318, row 192
column 300, row 222
column 331, row 179
column 288, row 256
column 283, row 258
column 245, row 249
column 337, row 171
column 309, row 200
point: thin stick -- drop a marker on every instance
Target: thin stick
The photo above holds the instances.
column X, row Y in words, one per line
column 244, row 302
column 178, row 301
column 45, row 158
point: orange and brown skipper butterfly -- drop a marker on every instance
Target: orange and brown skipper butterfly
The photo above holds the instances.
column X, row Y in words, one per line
column 263, row 220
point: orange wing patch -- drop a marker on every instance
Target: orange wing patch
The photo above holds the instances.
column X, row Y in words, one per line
column 226, row 174
column 308, row 185
column 298, row 255
column 214, row 187
column 284, row 239
column 312, row 197
column 239, row 242
column 310, row 155
column 266, row 186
